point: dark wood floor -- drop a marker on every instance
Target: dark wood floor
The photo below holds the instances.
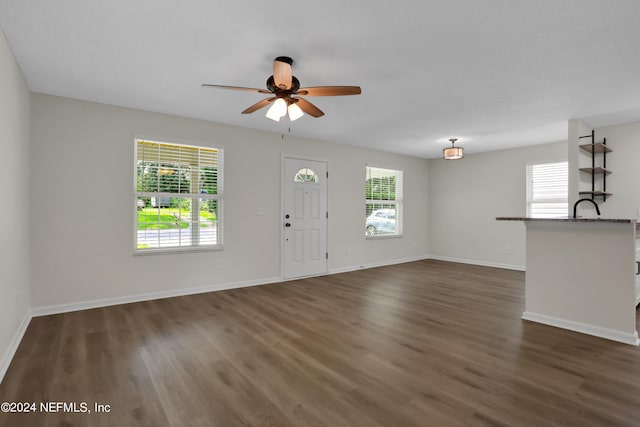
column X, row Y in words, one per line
column 426, row 343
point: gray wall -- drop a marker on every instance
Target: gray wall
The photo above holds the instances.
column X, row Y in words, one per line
column 82, row 170
column 466, row 196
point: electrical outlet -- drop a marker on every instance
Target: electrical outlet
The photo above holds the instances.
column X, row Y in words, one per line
column 220, row 264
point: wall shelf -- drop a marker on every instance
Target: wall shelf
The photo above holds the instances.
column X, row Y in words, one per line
column 597, row 170
column 598, row 147
column 600, row 150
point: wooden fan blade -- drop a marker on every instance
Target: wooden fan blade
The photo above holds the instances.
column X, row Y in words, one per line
column 308, row 107
column 329, row 90
column 248, row 89
column 258, row 105
column 282, row 72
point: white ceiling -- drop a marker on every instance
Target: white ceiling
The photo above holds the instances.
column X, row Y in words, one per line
column 493, row 73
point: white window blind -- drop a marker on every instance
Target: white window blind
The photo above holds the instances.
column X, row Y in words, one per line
column 383, row 207
column 178, row 196
column 547, row 190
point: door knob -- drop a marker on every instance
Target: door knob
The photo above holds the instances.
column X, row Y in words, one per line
column 287, row 224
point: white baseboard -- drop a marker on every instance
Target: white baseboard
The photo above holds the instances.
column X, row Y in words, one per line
column 84, row 305
column 598, row 331
column 105, row 302
column 479, row 262
column 7, row 357
column 377, row 264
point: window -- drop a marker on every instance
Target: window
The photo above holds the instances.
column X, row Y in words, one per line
column 306, row 175
column 383, row 210
column 178, row 197
column 547, row 190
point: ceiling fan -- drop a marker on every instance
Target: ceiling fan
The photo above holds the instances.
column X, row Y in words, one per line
column 286, row 93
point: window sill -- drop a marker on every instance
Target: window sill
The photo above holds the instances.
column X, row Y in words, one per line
column 165, row 251
column 384, row 236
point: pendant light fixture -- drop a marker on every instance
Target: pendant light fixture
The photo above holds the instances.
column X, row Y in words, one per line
column 453, row 153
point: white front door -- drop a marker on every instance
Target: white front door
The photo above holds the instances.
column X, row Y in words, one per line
column 304, row 217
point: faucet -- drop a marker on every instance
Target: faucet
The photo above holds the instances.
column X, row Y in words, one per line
column 585, row 200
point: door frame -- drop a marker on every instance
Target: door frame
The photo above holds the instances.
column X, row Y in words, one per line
column 282, row 213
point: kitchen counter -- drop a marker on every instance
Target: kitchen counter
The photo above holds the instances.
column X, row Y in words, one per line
column 581, row 275
column 567, row 219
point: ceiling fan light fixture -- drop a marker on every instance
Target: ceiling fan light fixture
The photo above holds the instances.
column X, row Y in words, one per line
column 453, row 153
column 286, row 95
column 295, row 112
column 277, row 110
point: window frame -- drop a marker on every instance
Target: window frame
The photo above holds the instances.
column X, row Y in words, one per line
column 397, row 202
column 553, row 200
column 193, row 197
